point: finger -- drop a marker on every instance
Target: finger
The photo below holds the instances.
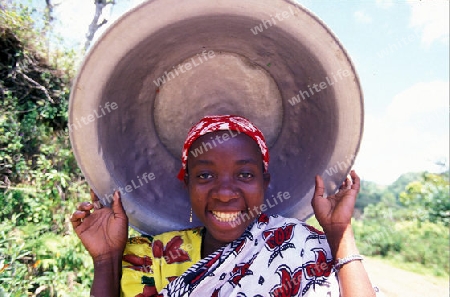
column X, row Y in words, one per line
column 95, row 200
column 77, row 217
column 319, row 189
column 80, row 214
column 356, row 181
column 318, row 192
column 85, row 206
column 343, row 185
column 117, row 206
column 348, row 182
column 75, row 223
column 348, row 198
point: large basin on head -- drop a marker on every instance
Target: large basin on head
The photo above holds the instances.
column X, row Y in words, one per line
column 168, row 63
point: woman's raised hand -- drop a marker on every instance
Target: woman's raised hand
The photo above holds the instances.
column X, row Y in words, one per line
column 104, row 232
column 334, row 213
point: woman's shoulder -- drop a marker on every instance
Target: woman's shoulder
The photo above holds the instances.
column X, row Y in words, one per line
column 299, row 233
column 301, row 226
column 310, row 242
column 179, row 237
column 144, row 239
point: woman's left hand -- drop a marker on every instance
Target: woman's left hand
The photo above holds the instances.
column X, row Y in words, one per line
column 334, row 213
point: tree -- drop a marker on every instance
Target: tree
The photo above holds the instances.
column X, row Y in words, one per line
column 370, row 193
column 399, row 185
column 429, row 197
column 97, row 23
column 40, row 183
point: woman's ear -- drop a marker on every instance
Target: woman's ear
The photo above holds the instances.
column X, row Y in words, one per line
column 266, row 180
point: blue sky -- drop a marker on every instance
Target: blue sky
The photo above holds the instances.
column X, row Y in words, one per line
column 401, row 53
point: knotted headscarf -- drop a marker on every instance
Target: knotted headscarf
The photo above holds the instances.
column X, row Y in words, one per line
column 223, row 123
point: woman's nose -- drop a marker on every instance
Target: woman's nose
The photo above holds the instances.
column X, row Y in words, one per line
column 226, row 191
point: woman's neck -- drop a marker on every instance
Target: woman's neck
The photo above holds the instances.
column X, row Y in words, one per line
column 210, row 244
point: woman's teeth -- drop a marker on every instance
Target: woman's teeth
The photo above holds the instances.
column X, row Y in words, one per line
column 226, row 216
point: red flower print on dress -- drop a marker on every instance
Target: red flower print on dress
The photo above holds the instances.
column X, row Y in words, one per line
column 215, row 293
column 157, row 248
column 171, row 278
column 278, row 240
column 194, row 277
column 314, row 230
column 314, row 233
column 320, row 268
column 262, row 219
column 317, row 272
column 289, row 283
column 172, row 253
column 143, row 264
column 240, row 247
column 148, row 291
column 241, row 270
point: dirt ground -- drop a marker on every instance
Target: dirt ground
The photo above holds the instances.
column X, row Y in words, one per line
column 396, row 282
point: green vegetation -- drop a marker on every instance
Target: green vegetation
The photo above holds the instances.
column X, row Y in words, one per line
column 406, row 222
column 411, row 226
column 40, row 183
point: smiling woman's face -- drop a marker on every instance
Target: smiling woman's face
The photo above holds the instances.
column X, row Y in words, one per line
column 225, row 182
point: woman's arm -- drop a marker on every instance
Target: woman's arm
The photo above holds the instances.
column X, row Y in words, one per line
column 107, row 275
column 353, row 278
column 104, row 233
column 334, row 214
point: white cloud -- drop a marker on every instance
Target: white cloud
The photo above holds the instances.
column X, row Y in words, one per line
column 411, row 136
column 432, row 19
column 362, row 17
column 385, row 4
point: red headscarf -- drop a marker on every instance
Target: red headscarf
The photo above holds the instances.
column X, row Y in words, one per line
column 223, row 123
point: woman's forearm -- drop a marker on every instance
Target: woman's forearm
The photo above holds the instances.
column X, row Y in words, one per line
column 107, row 276
column 353, row 278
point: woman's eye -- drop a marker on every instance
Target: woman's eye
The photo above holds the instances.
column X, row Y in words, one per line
column 245, row 175
column 205, row 175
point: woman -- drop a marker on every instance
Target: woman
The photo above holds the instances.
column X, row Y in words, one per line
column 240, row 251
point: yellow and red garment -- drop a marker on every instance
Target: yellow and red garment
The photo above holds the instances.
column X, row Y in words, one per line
column 150, row 263
column 275, row 256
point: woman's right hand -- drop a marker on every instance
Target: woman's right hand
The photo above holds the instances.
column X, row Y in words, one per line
column 104, row 232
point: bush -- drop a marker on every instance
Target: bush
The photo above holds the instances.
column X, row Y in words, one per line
column 376, row 238
column 40, row 183
column 425, row 243
column 38, row 261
